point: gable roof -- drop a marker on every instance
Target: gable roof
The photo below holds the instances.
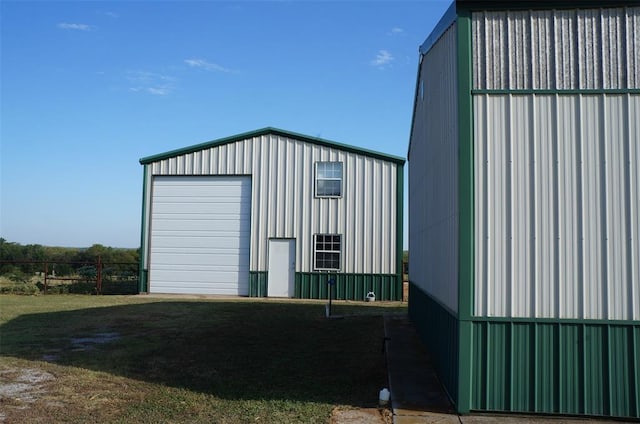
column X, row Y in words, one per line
column 274, row 131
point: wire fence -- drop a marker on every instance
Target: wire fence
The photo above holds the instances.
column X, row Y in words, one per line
column 87, row 277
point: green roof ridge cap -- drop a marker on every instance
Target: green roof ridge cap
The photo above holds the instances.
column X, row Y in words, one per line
column 275, row 131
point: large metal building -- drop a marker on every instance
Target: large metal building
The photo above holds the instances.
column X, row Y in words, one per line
column 272, row 213
column 524, row 205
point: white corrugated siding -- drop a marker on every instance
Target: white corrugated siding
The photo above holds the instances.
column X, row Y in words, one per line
column 283, row 202
column 433, row 175
column 557, row 49
column 557, row 206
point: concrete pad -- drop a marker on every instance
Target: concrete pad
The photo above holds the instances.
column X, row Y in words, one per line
column 403, row 416
column 417, row 396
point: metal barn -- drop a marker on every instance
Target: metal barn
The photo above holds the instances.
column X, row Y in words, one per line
column 524, row 206
column 272, row 213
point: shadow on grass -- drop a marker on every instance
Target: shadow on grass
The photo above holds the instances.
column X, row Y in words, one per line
column 233, row 350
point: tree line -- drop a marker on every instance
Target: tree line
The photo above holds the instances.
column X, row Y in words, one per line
column 63, row 261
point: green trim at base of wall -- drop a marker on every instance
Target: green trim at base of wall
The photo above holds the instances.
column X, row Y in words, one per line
column 257, row 283
column 532, row 365
column 556, row 368
column 438, row 327
column 142, row 281
column 313, row 285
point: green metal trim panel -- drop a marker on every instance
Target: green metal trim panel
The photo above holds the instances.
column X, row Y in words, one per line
column 275, row 131
column 143, row 273
column 258, row 283
column 439, row 329
column 555, row 320
column 313, row 285
column 556, row 368
column 465, row 207
column 399, row 221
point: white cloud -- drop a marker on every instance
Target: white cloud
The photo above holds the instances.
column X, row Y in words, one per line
column 150, row 82
column 77, row 27
column 203, row 64
column 396, row 31
column 383, row 58
column 161, row 91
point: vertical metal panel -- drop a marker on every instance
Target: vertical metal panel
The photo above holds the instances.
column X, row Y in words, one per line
column 313, row 285
column 433, row 175
column 633, row 45
column 556, row 367
column 556, row 49
column 633, row 208
column 522, row 361
column 595, row 342
column 284, row 202
column 440, row 328
column 566, row 55
column 557, row 206
column 546, row 368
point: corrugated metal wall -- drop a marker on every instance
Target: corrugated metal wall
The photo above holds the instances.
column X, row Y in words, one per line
column 283, row 202
column 556, row 175
column 433, row 175
column 557, row 206
column 563, row 368
column 556, row 49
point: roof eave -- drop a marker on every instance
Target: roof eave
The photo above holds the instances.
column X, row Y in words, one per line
column 275, row 131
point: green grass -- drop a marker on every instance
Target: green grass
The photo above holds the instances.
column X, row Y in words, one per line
column 199, row 360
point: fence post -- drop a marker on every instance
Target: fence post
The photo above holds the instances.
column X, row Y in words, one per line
column 46, row 271
column 99, row 276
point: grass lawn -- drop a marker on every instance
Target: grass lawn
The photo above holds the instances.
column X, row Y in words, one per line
column 150, row 360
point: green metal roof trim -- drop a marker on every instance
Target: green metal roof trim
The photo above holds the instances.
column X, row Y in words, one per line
column 274, row 131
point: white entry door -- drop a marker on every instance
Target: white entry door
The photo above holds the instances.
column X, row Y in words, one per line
column 282, row 267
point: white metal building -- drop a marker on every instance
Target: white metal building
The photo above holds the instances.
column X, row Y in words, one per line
column 524, row 205
column 272, row 213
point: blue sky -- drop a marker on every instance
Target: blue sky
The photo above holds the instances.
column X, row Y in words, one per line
column 88, row 88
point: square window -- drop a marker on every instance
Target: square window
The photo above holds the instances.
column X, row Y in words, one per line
column 328, row 179
column 328, row 249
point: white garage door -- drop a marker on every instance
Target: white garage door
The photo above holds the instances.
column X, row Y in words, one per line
column 200, row 235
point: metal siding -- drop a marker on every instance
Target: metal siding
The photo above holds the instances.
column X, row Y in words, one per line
column 557, row 206
column 556, row 367
column 284, row 202
column 433, row 176
column 313, row 285
column 439, row 327
column 556, row 49
column 633, row 45
column 633, row 208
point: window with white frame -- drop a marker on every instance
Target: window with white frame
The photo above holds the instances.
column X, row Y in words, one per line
column 327, row 252
column 328, row 179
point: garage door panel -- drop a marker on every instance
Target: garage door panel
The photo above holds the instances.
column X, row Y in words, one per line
column 196, row 233
column 224, row 190
column 201, row 225
column 204, row 288
column 219, row 257
column 164, row 242
column 225, row 208
column 225, row 277
column 200, row 235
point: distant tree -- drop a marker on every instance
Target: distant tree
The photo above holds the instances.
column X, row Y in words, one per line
column 64, row 260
